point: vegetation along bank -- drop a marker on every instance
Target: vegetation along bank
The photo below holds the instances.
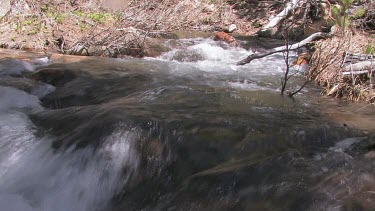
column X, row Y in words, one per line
column 340, row 58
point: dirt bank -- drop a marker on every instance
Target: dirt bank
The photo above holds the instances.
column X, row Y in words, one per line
column 113, row 28
column 106, row 28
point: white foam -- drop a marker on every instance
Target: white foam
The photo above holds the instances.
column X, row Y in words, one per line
column 74, row 180
column 41, row 61
column 223, row 61
column 245, row 85
column 12, row 98
column 16, row 137
column 346, row 144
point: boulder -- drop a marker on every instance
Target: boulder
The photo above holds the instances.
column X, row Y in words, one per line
column 222, row 36
column 36, row 88
column 154, row 47
column 190, row 55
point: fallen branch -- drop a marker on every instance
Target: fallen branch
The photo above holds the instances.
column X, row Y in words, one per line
column 359, row 68
column 357, row 72
column 281, row 16
column 350, row 58
column 256, row 56
column 295, row 46
column 313, row 37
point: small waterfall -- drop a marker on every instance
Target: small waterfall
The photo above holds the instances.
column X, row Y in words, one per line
column 75, row 179
column 35, row 177
column 216, row 59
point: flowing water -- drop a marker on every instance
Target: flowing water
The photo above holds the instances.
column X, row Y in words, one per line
column 186, row 131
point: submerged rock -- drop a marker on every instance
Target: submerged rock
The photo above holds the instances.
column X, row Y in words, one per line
column 222, row 36
column 55, row 76
column 12, row 98
column 188, row 55
column 15, row 67
column 154, row 47
column 36, row 88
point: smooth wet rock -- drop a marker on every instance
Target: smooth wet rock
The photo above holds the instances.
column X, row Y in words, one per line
column 55, row 76
column 154, row 47
column 15, row 67
column 346, row 144
column 60, row 58
column 33, row 87
column 20, row 83
column 191, row 55
column 42, row 89
column 370, row 155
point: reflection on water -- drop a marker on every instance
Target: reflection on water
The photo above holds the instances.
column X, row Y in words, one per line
column 175, row 133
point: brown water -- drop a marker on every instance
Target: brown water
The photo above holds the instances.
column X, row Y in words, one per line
column 175, row 133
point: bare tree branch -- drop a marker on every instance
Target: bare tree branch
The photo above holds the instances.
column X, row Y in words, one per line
column 282, row 15
column 313, row 37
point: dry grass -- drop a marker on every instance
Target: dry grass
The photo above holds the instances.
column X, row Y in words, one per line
column 107, row 27
column 327, row 71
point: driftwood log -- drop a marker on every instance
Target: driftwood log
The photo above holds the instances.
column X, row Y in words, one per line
column 355, row 64
column 313, row 37
column 359, row 68
column 281, row 16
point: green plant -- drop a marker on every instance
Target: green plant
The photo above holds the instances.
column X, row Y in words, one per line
column 98, row 17
column 215, row 1
column 118, row 15
column 43, row 7
column 28, row 22
column 59, row 18
column 359, row 13
column 370, row 49
column 31, row 32
column 17, row 26
column 78, row 13
column 256, row 24
column 13, row 38
column 83, row 27
column 339, row 13
column 49, row 14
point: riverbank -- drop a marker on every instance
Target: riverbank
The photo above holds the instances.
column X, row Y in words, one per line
column 330, row 61
column 107, row 28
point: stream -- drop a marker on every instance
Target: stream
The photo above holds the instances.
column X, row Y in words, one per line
column 188, row 130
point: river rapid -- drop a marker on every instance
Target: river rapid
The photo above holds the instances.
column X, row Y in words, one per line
column 188, row 130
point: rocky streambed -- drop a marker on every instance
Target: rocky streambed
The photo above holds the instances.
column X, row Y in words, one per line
column 185, row 130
